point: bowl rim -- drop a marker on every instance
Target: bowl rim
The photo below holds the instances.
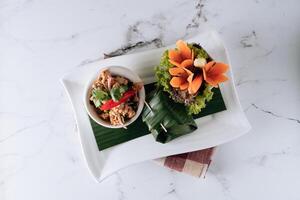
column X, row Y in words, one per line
column 87, row 89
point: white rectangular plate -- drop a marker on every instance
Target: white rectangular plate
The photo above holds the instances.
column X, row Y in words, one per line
column 212, row 130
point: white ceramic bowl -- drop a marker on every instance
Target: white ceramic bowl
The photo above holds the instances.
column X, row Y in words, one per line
column 114, row 70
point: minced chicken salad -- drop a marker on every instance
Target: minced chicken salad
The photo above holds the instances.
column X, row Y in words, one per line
column 115, row 98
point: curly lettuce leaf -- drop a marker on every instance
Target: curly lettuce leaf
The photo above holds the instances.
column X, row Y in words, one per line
column 200, row 101
column 199, row 52
column 162, row 74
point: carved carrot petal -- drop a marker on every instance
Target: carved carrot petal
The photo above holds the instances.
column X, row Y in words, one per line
column 209, row 65
column 187, row 63
column 195, row 84
column 187, row 71
column 220, row 78
column 184, row 49
column 218, row 68
column 174, row 63
column 211, row 82
column 177, row 71
column 175, row 56
column 177, row 81
column 184, row 86
column 190, row 79
column 213, row 73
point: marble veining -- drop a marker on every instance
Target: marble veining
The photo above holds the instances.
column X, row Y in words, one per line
column 198, row 18
column 123, row 50
column 40, row 154
column 249, row 40
column 119, row 184
column 22, row 130
column 274, row 114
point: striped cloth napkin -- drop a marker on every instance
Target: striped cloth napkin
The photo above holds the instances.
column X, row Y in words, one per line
column 194, row 163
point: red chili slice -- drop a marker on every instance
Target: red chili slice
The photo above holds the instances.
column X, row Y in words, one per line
column 111, row 104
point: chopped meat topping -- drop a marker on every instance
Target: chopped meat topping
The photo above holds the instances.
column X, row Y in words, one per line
column 104, row 77
column 124, row 110
column 121, row 80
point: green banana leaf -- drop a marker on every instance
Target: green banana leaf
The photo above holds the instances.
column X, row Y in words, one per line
column 166, row 119
column 107, row 137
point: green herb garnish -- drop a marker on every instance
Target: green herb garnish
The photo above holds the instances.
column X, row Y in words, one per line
column 98, row 96
column 117, row 92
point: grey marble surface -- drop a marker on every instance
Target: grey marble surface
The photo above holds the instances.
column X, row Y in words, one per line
column 40, row 155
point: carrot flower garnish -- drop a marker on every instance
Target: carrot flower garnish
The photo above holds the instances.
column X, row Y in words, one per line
column 188, row 73
column 185, row 79
column 179, row 79
column 182, row 56
column 213, row 73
